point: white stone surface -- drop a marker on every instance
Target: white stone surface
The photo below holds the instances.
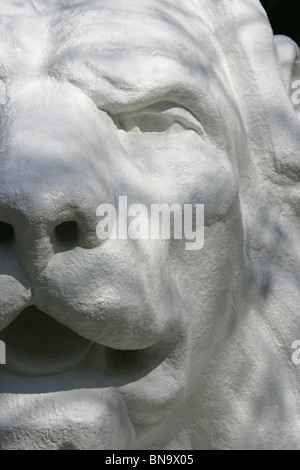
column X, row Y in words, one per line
column 164, row 348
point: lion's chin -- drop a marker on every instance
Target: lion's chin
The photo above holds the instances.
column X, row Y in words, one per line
column 78, row 419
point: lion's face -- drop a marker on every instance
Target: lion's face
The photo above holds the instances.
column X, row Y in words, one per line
column 109, row 338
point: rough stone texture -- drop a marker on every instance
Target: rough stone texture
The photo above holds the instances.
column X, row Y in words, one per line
column 140, row 344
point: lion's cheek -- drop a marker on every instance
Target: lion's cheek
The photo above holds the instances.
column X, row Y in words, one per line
column 183, row 168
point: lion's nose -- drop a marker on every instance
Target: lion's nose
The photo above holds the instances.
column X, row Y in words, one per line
column 67, row 234
column 47, row 208
column 34, row 235
column 48, row 202
column 52, row 173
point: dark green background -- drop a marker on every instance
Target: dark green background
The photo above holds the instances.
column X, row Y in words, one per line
column 284, row 16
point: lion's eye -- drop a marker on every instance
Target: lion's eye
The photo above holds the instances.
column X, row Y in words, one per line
column 159, row 118
column 151, row 122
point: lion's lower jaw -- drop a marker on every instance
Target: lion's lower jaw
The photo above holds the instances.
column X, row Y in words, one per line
column 82, row 409
column 79, row 419
column 88, row 419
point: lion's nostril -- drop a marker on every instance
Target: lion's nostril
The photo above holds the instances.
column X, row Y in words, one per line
column 6, row 232
column 67, row 234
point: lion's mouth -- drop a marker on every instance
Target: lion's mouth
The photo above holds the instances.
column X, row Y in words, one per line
column 37, row 346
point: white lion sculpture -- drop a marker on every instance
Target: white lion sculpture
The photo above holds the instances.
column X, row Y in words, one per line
column 140, row 344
